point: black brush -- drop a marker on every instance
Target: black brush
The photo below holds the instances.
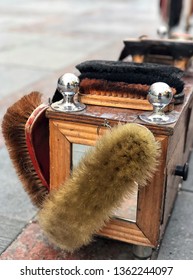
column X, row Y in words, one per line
column 109, row 66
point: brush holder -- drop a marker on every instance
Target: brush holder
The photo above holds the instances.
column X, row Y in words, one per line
column 68, row 86
column 159, row 95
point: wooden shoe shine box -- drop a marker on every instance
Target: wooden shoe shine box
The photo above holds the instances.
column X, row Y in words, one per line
column 142, row 219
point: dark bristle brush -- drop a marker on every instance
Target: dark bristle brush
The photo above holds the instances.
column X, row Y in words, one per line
column 14, row 132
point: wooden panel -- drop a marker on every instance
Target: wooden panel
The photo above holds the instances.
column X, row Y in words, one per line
column 95, row 115
column 62, row 135
column 150, row 199
column 188, row 141
column 60, row 157
column 113, row 101
column 72, row 130
column 179, row 133
column 172, row 181
column 124, row 231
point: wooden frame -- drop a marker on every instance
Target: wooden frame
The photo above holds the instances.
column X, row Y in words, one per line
column 146, row 230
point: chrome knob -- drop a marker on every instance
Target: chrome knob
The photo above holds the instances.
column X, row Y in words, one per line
column 159, row 95
column 68, row 86
column 162, row 31
column 68, row 83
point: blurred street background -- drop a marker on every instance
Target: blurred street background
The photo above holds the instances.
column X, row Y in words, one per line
column 39, row 41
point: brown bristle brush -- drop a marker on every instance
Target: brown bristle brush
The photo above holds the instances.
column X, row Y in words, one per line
column 108, row 88
column 14, row 132
column 107, row 173
column 119, row 89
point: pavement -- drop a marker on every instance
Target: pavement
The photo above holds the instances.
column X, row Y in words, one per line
column 39, row 41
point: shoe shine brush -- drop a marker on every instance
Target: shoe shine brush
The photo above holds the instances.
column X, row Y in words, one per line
column 14, row 132
column 107, row 173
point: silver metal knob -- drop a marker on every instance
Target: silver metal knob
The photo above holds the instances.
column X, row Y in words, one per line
column 159, row 95
column 68, row 86
column 162, row 31
column 68, row 83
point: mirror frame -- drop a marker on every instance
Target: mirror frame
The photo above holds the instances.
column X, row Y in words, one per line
column 150, row 209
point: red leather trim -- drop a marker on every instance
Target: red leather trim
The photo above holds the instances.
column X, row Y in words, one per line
column 36, row 116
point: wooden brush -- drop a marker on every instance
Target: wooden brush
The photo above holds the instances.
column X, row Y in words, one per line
column 107, row 173
column 13, row 129
column 119, row 89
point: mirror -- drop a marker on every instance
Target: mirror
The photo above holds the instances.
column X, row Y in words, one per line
column 128, row 208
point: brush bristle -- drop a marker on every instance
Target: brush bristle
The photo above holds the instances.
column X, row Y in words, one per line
column 110, row 66
column 13, row 129
column 132, row 73
column 118, row 89
column 106, row 174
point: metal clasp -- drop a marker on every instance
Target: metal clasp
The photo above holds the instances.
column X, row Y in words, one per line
column 104, row 124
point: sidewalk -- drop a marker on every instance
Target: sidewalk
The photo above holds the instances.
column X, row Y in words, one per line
column 40, row 41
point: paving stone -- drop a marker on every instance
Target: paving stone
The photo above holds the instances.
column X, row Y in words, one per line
column 14, row 201
column 17, row 77
column 177, row 243
column 33, row 245
column 47, row 57
column 9, row 230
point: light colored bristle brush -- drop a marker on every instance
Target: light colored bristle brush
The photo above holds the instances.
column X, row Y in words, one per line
column 74, row 213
